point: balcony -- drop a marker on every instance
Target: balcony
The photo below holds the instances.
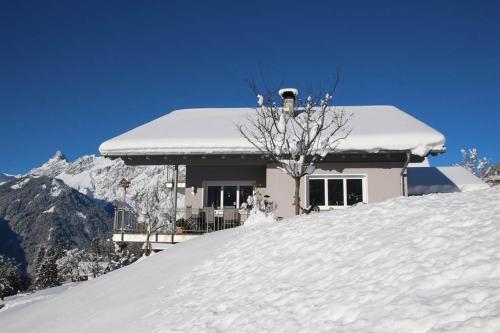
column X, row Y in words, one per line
column 190, row 223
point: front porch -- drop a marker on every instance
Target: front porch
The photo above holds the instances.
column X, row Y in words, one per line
column 189, row 223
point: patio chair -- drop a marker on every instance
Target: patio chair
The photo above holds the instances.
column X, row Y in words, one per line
column 230, row 217
column 208, row 217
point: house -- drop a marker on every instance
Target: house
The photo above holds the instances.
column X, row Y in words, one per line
column 223, row 168
column 426, row 180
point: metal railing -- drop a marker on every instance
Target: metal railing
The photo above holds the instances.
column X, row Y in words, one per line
column 125, row 220
column 188, row 220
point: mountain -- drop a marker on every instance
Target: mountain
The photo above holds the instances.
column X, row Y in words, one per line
column 98, row 177
column 67, row 201
column 55, row 165
column 5, row 178
column 43, row 211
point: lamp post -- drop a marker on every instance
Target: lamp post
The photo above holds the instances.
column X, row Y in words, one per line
column 125, row 183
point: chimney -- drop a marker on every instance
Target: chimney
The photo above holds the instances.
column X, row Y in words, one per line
column 289, row 95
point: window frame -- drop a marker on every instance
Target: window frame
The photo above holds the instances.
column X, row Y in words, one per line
column 344, row 177
column 223, row 183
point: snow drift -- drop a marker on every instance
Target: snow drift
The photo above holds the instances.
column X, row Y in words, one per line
column 418, row 264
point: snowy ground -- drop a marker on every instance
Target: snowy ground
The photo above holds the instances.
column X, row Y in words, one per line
column 23, row 299
column 419, row 264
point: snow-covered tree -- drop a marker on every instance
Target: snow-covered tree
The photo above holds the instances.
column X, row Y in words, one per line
column 10, row 277
column 97, row 258
column 474, row 164
column 121, row 256
column 103, row 257
column 298, row 134
column 46, row 273
column 71, row 265
column 154, row 208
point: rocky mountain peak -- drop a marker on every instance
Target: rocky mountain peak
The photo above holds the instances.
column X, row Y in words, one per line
column 58, row 156
column 54, row 166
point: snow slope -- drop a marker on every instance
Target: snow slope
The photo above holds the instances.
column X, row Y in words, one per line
column 417, row 264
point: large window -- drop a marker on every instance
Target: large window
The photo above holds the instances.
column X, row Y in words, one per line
column 227, row 194
column 335, row 191
column 214, row 196
column 354, row 191
column 317, row 192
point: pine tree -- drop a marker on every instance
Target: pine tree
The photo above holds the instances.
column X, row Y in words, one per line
column 46, row 274
column 10, row 277
column 96, row 258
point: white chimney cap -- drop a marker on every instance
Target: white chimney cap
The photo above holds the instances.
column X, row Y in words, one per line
column 283, row 91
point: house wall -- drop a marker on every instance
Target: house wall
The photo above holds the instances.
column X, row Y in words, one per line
column 383, row 182
column 197, row 174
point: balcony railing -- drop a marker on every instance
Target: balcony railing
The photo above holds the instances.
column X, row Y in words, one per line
column 188, row 220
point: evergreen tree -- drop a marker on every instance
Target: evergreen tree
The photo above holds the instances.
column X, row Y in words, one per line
column 11, row 279
column 97, row 264
column 46, row 274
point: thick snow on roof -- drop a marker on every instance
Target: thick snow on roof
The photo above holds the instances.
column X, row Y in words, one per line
column 423, row 180
column 417, row 264
column 212, row 131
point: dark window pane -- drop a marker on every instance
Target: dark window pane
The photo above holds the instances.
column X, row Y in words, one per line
column 245, row 192
column 316, row 192
column 335, row 192
column 230, row 196
column 354, row 191
column 213, row 196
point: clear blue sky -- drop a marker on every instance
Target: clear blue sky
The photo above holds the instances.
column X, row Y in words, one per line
column 75, row 73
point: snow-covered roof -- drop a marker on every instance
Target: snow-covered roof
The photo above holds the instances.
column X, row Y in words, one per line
column 422, row 180
column 213, row 131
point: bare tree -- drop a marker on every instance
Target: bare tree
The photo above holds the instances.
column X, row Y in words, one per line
column 297, row 134
column 154, row 208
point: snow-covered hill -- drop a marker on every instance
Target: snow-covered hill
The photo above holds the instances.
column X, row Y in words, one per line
column 418, row 264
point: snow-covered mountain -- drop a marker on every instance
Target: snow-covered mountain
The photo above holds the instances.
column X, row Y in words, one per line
column 31, row 205
column 98, row 177
column 42, row 211
column 5, row 178
column 414, row 264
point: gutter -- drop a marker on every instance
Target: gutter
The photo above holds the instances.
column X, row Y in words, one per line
column 403, row 174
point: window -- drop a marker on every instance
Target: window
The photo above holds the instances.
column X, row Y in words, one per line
column 354, row 191
column 245, row 192
column 317, row 192
column 227, row 194
column 213, row 196
column 335, row 191
column 230, row 196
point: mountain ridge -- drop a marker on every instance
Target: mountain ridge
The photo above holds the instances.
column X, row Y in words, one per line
column 54, row 197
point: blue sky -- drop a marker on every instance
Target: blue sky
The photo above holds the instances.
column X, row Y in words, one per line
column 75, row 73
